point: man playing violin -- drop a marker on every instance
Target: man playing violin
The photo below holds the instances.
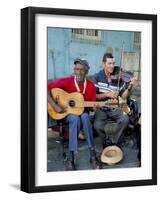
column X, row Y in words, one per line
column 108, row 87
column 77, row 83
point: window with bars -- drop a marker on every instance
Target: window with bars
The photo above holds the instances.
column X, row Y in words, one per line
column 86, row 34
column 137, row 39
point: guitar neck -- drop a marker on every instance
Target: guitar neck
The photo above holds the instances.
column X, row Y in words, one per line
column 99, row 103
column 92, row 103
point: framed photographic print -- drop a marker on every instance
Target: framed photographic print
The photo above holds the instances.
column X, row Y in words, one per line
column 88, row 99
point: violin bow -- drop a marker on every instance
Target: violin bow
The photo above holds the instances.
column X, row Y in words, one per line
column 118, row 83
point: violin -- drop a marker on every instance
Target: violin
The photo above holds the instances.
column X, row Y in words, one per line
column 119, row 74
column 123, row 75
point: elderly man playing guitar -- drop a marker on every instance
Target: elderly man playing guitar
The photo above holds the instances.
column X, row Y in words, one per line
column 77, row 83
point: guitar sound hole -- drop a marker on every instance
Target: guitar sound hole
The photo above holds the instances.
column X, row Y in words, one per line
column 71, row 103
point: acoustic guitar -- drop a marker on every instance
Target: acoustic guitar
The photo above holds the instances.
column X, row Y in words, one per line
column 73, row 103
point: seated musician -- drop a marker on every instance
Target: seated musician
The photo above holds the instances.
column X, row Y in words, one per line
column 107, row 88
column 77, row 83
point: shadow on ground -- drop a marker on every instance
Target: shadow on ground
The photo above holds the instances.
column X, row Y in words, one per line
column 56, row 158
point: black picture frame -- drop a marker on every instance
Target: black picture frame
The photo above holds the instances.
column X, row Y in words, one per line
column 28, row 98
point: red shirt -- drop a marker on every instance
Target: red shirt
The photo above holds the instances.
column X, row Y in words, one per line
column 68, row 85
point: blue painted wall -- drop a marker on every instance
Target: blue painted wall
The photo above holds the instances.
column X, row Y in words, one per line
column 63, row 49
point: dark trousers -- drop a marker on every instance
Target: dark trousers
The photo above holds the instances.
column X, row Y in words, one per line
column 113, row 129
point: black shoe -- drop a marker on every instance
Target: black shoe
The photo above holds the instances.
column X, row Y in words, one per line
column 95, row 164
column 70, row 165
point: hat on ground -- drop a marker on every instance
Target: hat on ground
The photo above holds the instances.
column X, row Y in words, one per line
column 111, row 155
column 82, row 62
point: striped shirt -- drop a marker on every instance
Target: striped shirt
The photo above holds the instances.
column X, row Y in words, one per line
column 103, row 85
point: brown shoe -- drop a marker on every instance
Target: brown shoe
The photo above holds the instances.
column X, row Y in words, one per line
column 70, row 165
column 95, row 164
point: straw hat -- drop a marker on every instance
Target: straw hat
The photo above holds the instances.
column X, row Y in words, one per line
column 111, row 155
